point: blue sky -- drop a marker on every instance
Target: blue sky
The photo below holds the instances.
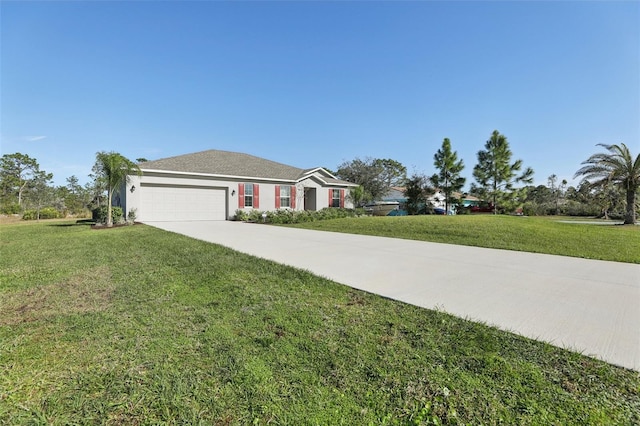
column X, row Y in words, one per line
column 318, row 83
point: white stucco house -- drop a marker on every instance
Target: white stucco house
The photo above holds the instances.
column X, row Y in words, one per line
column 396, row 193
column 213, row 184
column 437, row 199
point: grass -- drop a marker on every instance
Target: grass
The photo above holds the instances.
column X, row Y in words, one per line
column 139, row 326
column 531, row 234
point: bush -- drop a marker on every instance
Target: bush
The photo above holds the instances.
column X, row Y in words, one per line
column 531, row 208
column 45, row 213
column 99, row 214
column 575, row 208
column 285, row 216
column 29, row 215
column 131, row 217
column 49, row 213
column 13, row 208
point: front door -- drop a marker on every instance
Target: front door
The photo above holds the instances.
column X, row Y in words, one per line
column 310, row 199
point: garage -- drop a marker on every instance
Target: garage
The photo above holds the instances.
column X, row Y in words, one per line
column 181, row 203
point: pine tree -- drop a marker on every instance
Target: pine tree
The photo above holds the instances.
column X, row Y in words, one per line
column 495, row 173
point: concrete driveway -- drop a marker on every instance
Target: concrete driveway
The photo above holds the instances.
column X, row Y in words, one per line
column 589, row 306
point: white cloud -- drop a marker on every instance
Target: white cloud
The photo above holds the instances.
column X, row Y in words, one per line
column 34, row 138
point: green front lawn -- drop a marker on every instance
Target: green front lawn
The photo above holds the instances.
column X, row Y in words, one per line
column 531, row 234
column 139, row 326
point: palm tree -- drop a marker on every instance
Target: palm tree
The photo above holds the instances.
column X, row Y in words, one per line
column 618, row 168
column 115, row 170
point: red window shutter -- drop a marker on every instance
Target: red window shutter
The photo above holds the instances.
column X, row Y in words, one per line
column 342, row 198
column 277, row 196
column 241, row 195
column 331, row 198
column 293, row 198
column 256, row 196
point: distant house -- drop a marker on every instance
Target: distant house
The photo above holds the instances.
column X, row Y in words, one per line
column 396, row 193
column 467, row 200
column 437, row 200
column 212, row 185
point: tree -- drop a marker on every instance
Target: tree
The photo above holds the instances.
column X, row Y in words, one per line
column 609, row 198
column 581, row 194
column 392, row 172
column 448, row 178
column 538, row 200
column 551, row 180
column 496, row 175
column 374, row 175
column 113, row 170
column 356, row 195
column 540, row 194
column 416, row 190
column 617, row 168
column 562, row 189
column 40, row 193
column 557, row 190
column 16, row 171
column 74, row 195
column 96, row 188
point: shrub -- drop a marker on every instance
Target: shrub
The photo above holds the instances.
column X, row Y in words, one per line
column 13, row 208
column 575, row 208
column 285, row 216
column 49, row 213
column 241, row 216
column 99, row 214
column 45, row 213
column 131, row 217
column 281, row 216
column 29, row 215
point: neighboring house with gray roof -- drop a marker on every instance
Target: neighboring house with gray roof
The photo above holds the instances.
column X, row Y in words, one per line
column 213, row 185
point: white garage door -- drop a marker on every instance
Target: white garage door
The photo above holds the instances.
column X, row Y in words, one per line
column 181, row 203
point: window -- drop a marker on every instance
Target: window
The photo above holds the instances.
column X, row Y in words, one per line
column 285, row 196
column 248, row 195
column 335, row 198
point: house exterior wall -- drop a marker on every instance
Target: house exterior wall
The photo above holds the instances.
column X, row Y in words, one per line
column 437, row 199
column 394, row 194
column 266, row 197
column 131, row 199
column 322, row 193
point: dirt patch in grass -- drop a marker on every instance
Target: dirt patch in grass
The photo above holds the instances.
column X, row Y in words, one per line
column 87, row 291
column 11, row 218
column 115, row 225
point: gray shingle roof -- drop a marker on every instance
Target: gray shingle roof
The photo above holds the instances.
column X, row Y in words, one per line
column 228, row 163
column 224, row 163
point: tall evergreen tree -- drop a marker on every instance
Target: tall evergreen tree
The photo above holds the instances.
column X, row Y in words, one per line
column 448, row 178
column 495, row 173
column 76, row 198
